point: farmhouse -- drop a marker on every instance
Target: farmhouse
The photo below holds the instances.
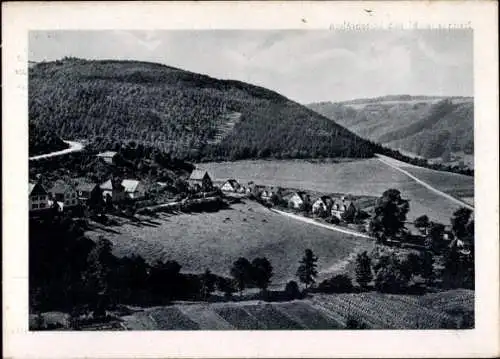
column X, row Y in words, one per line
column 134, row 188
column 231, row 185
column 200, row 180
column 107, row 156
column 85, row 189
column 266, row 194
column 64, row 193
column 114, row 189
column 342, row 206
column 322, row 205
column 38, row 197
column 298, row 200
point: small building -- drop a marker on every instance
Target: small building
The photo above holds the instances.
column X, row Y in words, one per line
column 64, row 192
column 85, row 188
column 200, row 180
column 266, row 194
column 298, row 200
column 231, row 185
column 323, row 205
column 114, row 189
column 107, row 156
column 38, row 197
column 341, row 206
column 134, row 188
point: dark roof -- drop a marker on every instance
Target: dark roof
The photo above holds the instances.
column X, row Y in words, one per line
column 61, row 186
column 198, row 175
column 233, row 183
column 35, row 189
column 84, row 185
column 110, row 185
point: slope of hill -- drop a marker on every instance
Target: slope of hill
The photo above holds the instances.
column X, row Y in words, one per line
column 42, row 140
column 426, row 126
column 186, row 114
column 376, row 311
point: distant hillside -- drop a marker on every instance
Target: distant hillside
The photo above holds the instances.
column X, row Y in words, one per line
column 191, row 116
column 426, row 126
column 42, row 140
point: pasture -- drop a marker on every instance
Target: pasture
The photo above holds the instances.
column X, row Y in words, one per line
column 377, row 311
column 215, row 240
column 358, row 177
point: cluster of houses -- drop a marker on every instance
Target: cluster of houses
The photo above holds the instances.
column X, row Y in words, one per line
column 67, row 194
column 71, row 193
column 323, row 206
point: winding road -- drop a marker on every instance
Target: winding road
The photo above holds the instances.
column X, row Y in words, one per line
column 73, row 147
column 393, row 163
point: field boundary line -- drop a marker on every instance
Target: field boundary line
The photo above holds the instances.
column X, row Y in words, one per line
column 426, row 185
column 327, row 226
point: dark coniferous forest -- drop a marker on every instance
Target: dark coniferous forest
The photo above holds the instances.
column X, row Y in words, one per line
column 188, row 115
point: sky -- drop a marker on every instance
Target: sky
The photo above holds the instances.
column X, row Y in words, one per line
column 303, row 65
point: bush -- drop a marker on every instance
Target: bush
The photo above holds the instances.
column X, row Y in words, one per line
column 340, row 283
column 334, row 220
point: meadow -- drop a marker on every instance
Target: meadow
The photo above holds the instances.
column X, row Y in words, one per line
column 377, row 311
column 358, row 177
column 215, row 240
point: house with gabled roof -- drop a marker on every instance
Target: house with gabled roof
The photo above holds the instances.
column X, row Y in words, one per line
column 107, row 156
column 64, row 193
column 134, row 188
column 200, row 180
column 84, row 188
column 121, row 189
column 298, row 200
column 114, row 189
column 231, row 185
column 38, row 197
column 341, row 206
column 322, row 205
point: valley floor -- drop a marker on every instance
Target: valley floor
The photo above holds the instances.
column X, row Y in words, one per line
column 214, row 240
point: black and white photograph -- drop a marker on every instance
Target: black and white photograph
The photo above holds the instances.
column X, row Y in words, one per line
column 260, row 180
column 231, row 179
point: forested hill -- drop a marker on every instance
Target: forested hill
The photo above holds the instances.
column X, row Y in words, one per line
column 427, row 126
column 42, row 140
column 191, row 116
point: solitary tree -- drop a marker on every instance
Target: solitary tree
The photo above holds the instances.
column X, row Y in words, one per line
column 363, row 269
column 240, row 271
column 307, row 268
column 389, row 215
column 262, row 271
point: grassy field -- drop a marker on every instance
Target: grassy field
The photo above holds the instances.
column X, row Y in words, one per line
column 359, row 177
column 215, row 240
column 377, row 311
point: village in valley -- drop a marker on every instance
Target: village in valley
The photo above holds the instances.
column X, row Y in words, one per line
column 341, row 211
column 162, row 198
